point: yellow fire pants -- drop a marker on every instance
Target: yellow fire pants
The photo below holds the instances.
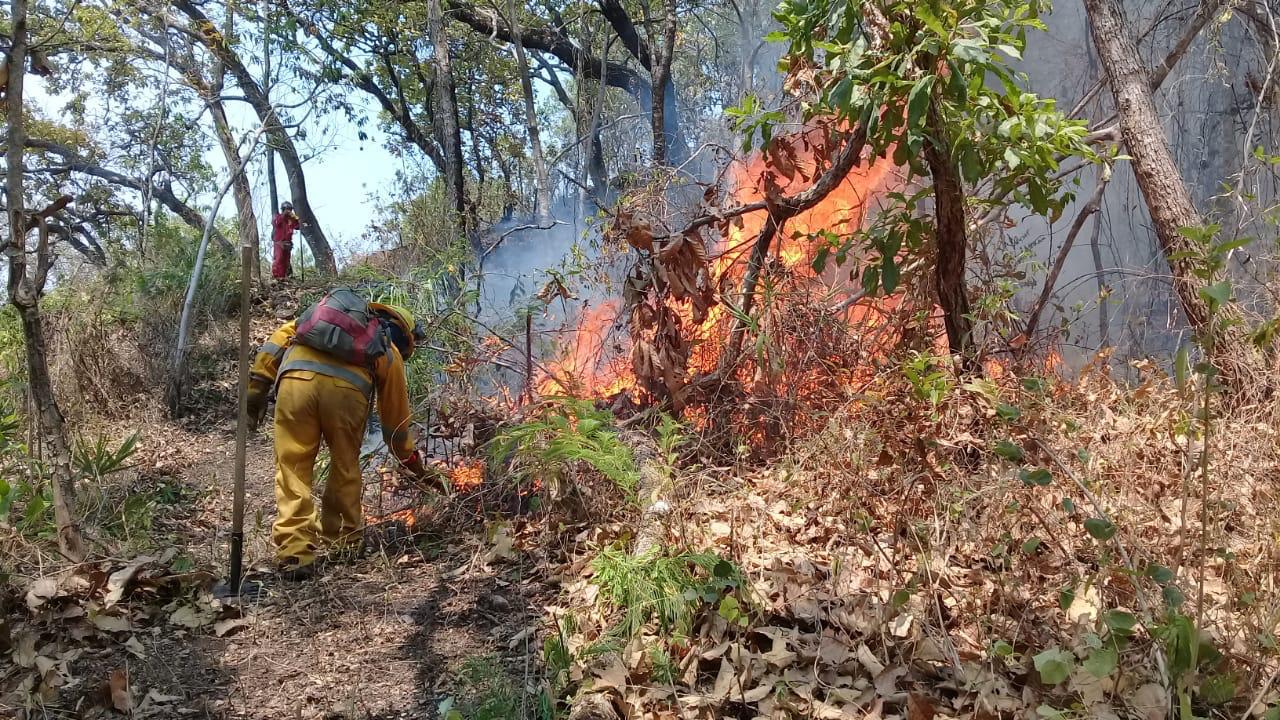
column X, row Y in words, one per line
column 311, row 407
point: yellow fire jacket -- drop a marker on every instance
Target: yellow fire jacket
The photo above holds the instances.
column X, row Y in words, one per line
column 279, row 356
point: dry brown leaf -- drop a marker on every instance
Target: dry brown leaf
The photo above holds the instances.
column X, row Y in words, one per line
column 887, row 682
column 824, row 711
column 761, row 691
column 24, row 651
column 190, row 617
column 902, row 625
column 110, row 623
column 919, row 707
column 135, row 647
column 118, row 687
column 716, row 651
column 1150, row 702
column 779, row 656
column 612, row 675
column 118, row 583
column 724, row 680
column 222, row 628
column 41, row 592
column 869, row 660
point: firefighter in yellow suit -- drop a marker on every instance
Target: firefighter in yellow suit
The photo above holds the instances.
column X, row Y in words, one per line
column 320, row 397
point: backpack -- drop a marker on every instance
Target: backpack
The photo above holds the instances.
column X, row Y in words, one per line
column 342, row 325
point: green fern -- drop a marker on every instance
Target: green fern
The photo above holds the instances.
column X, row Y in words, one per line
column 668, row 588
column 576, row 432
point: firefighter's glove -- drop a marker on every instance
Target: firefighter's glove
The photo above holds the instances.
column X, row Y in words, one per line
column 259, row 390
column 414, row 468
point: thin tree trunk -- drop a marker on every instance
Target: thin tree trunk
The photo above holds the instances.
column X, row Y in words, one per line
column 952, row 241
column 1166, row 195
column 24, row 293
column 248, row 221
column 1051, row 278
column 277, row 134
column 531, row 118
column 1169, row 201
column 1100, row 275
column 176, row 394
column 273, row 190
column 447, row 117
column 662, row 85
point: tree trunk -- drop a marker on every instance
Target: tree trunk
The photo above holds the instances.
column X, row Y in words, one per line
column 273, row 190
column 25, row 290
column 1166, row 195
column 1100, row 276
column 663, row 106
column 248, row 229
column 447, row 117
column 531, row 118
column 952, row 241
column 663, row 137
column 53, row 430
column 276, row 133
column 243, row 192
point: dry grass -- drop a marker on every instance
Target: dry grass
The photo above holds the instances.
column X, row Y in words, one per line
column 899, row 530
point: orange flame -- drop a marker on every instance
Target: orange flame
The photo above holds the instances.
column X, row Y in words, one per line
column 791, row 165
column 469, row 475
column 583, row 366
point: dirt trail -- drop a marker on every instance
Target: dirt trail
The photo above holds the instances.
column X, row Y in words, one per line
column 376, row 638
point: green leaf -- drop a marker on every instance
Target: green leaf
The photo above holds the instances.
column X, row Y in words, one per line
column 1173, row 597
column 1103, row 662
column 1120, row 622
column 729, row 609
column 1009, row 451
column 1066, row 596
column 870, row 280
column 889, row 274
column 1227, row 246
column 970, row 165
column 1100, row 528
column 969, row 50
column 918, row 101
column 1068, row 504
column 1034, row 384
column 1218, row 689
column 1031, row 545
column 1011, row 51
column 1159, row 573
column 1002, row 649
column 1011, row 158
column 1182, row 366
column 1008, row 413
column 1054, row 665
column 842, row 94
column 1217, row 294
column 1038, row 476
column 820, row 259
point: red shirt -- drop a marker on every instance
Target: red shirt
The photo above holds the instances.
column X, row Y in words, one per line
column 282, row 227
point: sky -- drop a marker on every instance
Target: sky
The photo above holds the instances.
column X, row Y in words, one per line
column 344, row 177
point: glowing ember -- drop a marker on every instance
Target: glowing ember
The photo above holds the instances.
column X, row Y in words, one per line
column 467, row 476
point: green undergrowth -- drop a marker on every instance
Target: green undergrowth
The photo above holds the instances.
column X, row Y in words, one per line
column 665, row 587
column 568, row 431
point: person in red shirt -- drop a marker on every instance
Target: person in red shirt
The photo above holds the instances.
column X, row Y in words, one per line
column 283, row 226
